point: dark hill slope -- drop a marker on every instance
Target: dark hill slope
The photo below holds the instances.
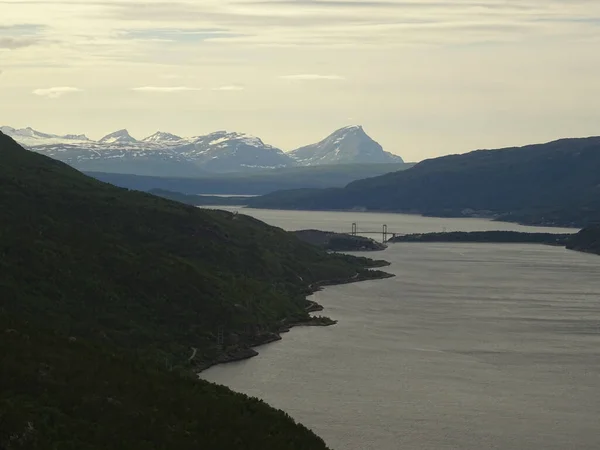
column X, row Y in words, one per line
column 62, row 394
column 587, row 240
column 126, row 273
column 138, row 270
column 554, row 183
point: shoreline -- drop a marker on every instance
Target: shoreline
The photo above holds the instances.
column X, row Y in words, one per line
column 248, row 351
column 498, row 237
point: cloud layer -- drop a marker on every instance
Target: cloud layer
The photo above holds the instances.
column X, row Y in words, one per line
column 426, row 76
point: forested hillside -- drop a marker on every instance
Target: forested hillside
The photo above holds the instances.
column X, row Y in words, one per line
column 97, row 283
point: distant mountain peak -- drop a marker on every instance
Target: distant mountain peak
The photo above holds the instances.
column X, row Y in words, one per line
column 347, row 145
column 161, row 136
column 30, row 137
column 223, row 137
column 118, row 137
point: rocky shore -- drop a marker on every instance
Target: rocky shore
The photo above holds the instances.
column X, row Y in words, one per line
column 245, row 350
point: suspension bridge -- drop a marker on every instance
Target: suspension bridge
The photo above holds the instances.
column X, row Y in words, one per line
column 384, row 232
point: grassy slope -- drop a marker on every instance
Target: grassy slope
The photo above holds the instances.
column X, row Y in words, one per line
column 552, row 183
column 139, row 275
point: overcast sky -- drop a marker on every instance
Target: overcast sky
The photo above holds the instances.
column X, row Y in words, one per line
column 424, row 78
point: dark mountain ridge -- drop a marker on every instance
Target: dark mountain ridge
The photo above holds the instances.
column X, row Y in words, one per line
column 557, row 183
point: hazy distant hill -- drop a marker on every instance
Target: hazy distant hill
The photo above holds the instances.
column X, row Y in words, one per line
column 255, row 183
column 557, row 183
column 348, row 145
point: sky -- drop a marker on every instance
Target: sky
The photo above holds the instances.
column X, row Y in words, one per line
column 424, row 78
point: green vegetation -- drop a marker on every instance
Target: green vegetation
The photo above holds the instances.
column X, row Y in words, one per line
column 144, row 286
column 487, row 236
column 548, row 184
column 58, row 393
column 338, row 242
column 256, row 182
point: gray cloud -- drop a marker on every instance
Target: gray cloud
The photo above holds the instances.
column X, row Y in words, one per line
column 24, row 29
column 179, row 35
column 308, row 22
column 13, row 37
column 13, row 43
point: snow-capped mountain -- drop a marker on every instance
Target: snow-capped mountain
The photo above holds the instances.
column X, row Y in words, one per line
column 162, row 137
column 165, row 154
column 224, row 151
column 161, row 154
column 121, row 137
column 30, row 137
column 348, row 145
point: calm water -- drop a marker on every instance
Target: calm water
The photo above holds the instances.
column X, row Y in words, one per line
column 397, row 223
column 470, row 346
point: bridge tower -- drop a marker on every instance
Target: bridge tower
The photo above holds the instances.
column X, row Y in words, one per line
column 384, row 233
column 353, row 229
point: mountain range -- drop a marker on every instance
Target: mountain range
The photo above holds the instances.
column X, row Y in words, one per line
column 166, row 154
column 557, row 183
